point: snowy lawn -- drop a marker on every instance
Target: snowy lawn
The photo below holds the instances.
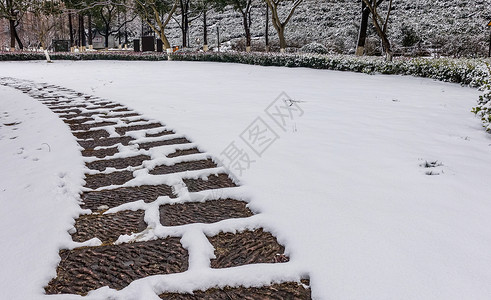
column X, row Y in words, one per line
column 344, row 186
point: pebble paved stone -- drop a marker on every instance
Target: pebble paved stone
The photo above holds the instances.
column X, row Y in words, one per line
column 84, row 269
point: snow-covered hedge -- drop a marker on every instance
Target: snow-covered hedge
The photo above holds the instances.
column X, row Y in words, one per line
column 106, row 55
column 314, row 48
column 465, row 71
column 483, row 108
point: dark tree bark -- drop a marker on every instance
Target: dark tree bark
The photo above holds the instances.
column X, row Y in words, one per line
column 89, row 24
column 218, row 39
column 184, row 4
column 266, row 30
column 19, row 42
column 82, row 31
column 381, row 25
column 247, row 28
column 70, row 27
column 277, row 23
column 205, row 32
column 246, row 19
column 12, row 34
column 362, row 36
column 79, row 34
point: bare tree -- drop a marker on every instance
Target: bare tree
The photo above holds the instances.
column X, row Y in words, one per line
column 188, row 12
column 13, row 11
column 278, row 24
column 157, row 14
column 362, row 35
column 244, row 7
column 106, row 18
column 381, row 25
column 43, row 22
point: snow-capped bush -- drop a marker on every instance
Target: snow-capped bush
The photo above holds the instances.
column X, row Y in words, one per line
column 314, row 48
column 107, row 55
column 483, row 108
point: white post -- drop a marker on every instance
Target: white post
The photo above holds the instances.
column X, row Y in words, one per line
column 48, row 59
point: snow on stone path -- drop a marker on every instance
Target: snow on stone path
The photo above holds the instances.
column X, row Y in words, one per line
column 153, row 207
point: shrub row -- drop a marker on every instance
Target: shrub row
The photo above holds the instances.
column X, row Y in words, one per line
column 464, row 71
column 483, row 108
column 106, row 55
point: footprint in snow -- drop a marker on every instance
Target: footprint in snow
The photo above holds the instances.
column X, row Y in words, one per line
column 433, row 167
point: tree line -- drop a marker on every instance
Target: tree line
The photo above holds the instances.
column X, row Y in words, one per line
column 85, row 18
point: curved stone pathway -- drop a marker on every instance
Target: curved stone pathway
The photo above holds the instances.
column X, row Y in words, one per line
column 136, row 169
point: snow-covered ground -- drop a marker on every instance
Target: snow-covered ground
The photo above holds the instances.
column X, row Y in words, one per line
column 342, row 182
column 41, row 173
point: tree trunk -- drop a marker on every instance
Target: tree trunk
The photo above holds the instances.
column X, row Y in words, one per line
column 381, row 32
column 489, row 53
column 281, row 36
column 82, row 32
column 79, row 34
column 70, row 27
column 266, row 30
column 89, row 24
column 205, row 32
column 12, row 34
column 362, row 36
column 218, row 39
column 165, row 41
column 184, row 21
column 247, row 33
column 106, row 37
column 385, row 42
column 19, row 42
column 183, row 33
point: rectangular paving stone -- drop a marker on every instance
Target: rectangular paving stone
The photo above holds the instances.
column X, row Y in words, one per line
column 57, row 106
column 183, row 166
column 71, row 116
column 162, row 133
column 66, row 111
column 213, row 182
column 183, row 152
column 76, row 121
column 105, row 142
column 101, row 153
column 105, row 106
column 108, row 227
column 203, row 212
column 90, row 126
column 116, row 197
column 283, row 291
column 120, row 109
column 84, row 269
column 126, row 121
column 125, row 129
column 114, row 178
column 248, row 247
column 175, row 141
column 121, row 115
column 91, row 134
column 117, row 163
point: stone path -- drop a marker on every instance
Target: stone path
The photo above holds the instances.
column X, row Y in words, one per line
column 119, row 145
